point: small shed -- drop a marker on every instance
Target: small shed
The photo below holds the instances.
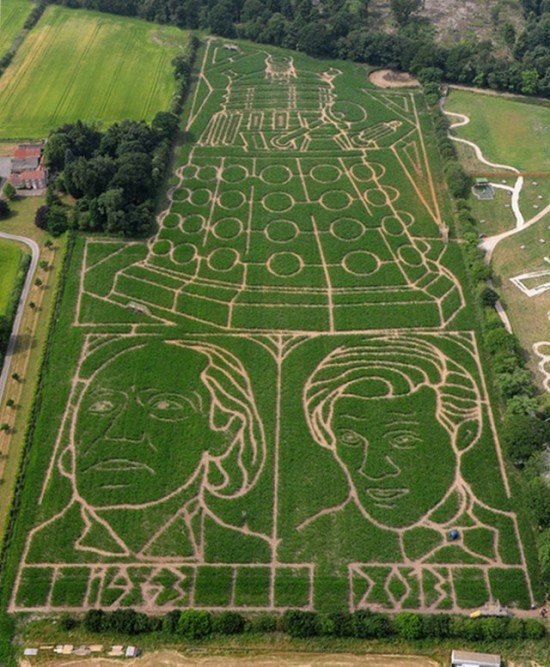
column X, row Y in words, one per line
column 470, row 659
column 132, row 652
column 30, row 651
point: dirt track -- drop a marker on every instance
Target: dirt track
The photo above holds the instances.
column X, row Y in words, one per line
column 173, row 659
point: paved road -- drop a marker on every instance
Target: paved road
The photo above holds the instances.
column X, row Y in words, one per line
column 35, row 253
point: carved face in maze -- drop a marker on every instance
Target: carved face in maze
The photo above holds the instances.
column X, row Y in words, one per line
column 398, row 456
column 143, row 426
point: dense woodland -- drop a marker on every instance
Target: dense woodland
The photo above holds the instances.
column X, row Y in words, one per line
column 346, row 29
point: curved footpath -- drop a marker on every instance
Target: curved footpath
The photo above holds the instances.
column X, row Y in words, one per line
column 490, row 242
column 35, row 252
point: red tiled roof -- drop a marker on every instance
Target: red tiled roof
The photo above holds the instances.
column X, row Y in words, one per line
column 21, row 153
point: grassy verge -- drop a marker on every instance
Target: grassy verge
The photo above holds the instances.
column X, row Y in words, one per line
column 26, row 359
column 10, row 258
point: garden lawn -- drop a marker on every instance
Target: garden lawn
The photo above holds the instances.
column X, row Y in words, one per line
column 78, row 65
column 507, row 131
column 12, row 18
column 10, row 256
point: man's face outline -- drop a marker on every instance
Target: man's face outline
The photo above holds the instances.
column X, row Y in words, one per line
column 379, row 441
column 136, row 443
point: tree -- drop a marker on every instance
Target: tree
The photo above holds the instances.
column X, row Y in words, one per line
column 221, row 19
column 403, row 10
column 41, row 217
column 368, row 624
column 194, row 624
column 94, row 620
column 313, row 39
column 523, row 435
column 228, row 623
column 538, row 500
column 9, row 191
column 301, row 623
column 170, row 621
column 544, row 556
column 457, row 180
column 57, row 220
column 488, row 296
column 5, row 210
column 409, row 625
column 165, row 124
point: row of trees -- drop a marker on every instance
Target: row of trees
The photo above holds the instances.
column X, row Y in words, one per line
column 338, row 28
column 193, row 624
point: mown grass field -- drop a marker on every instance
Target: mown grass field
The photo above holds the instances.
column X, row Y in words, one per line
column 10, row 256
column 508, row 132
column 520, row 254
column 14, row 13
column 222, row 432
column 87, row 66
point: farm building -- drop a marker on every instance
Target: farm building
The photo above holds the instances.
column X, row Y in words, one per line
column 470, row 659
column 27, row 170
column 35, row 179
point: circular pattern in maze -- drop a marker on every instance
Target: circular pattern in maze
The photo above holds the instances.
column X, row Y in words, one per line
column 347, row 229
column 325, row 173
column 278, row 202
column 231, row 199
column 361, row 263
column 392, row 226
column 234, row 174
column 189, row 171
column 364, row 172
column 276, row 174
column 227, row 229
column 182, row 194
column 285, row 264
column 223, row 259
column 184, row 253
column 171, row 220
column 410, row 256
column 281, row 231
column 200, row 197
column 193, row 224
column 336, row 200
column 207, row 174
column 381, row 196
column 162, row 247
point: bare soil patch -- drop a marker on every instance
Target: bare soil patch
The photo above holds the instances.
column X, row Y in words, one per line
column 390, row 78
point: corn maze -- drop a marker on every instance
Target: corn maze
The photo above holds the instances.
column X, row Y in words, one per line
column 276, row 402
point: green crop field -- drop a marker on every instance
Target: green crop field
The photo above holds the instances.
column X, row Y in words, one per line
column 78, row 65
column 12, row 17
column 277, row 401
column 508, row 131
column 10, row 258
